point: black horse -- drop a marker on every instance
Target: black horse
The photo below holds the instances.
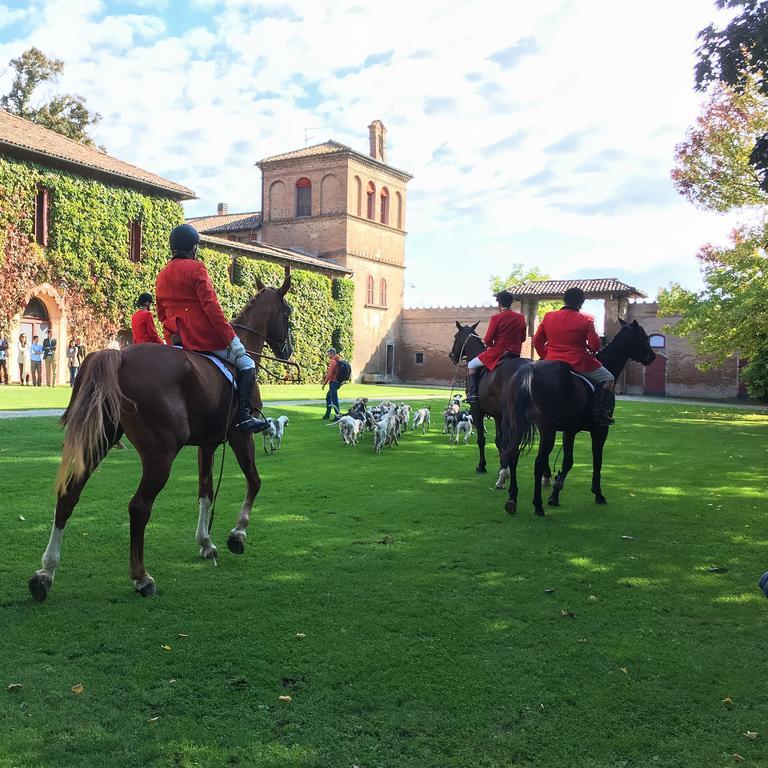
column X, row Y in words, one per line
column 547, row 397
column 467, row 345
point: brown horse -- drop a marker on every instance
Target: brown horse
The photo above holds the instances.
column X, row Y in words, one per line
column 163, row 398
column 466, row 345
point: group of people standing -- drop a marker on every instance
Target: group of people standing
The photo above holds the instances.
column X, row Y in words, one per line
column 32, row 357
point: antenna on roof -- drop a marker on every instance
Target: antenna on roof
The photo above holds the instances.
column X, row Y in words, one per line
column 308, row 135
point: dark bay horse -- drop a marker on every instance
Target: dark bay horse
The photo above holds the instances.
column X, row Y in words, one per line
column 467, row 345
column 162, row 398
column 546, row 397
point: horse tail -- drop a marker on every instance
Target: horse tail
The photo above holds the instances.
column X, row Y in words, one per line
column 92, row 418
column 520, row 420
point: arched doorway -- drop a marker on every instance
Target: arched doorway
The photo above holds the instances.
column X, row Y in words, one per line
column 655, row 376
column 35, row 320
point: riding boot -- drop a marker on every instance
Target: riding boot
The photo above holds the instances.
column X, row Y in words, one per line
column 471, row 386
column 605, row 401
column 245, row 422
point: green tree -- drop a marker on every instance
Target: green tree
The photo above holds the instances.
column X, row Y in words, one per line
column 66, row 113
column 712, row 165
column 521, row 274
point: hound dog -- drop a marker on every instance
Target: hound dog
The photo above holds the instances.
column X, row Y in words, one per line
column 273, row 434
column 421, row 419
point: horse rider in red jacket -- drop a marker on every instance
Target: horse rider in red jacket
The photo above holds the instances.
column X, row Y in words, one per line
column 188, row 308
column 505, row 336
column 143, row 323
column 569, row 335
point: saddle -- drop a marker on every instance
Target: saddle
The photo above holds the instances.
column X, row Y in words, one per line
column 506, row 357
column 225, row 369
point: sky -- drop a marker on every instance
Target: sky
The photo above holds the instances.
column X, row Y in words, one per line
column 541, row 134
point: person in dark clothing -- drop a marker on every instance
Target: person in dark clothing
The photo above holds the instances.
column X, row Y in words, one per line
column 49, row 358
column 3, row 360
column 332, row 396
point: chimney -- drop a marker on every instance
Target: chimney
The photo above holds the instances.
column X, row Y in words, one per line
column 222, row 209
column 377, row 134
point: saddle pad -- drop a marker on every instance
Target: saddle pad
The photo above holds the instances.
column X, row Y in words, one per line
column 585, row 379
column 222, row 366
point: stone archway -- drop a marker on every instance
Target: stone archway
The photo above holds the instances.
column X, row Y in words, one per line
column 46, row 309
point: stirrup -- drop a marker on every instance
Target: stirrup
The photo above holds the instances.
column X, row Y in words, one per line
column 252, row 425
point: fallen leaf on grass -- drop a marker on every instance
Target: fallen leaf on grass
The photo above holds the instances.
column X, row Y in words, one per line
column 581, row 639
column 592, row 598
column 300, row 635
column 22, row 518
column 738, row 758
column 15, row 686
column 568, row 614
column 166, row 647
column 284, row 698
column 77, row 689
column 717, row 569
column 153, row 720
column 728, row 700
column 624, row 670
column 183, row 636
column 628, row 538
column 549, row 590
column 172, row 680
column 752, row 735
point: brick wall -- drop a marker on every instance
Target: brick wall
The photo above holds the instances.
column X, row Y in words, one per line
column 683, row 378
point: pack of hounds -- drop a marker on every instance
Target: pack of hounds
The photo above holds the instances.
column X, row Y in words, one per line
column 389, row 421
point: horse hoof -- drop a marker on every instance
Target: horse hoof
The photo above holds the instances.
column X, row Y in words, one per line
column 600, row 499
column 235, row 544
column 480, row 470
column 39, row 584
column 209, row 553
column 511, row 507
column 553, row 502
column 147, row 590
column 540, row 512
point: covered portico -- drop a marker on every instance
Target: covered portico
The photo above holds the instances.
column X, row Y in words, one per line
column 614, row 294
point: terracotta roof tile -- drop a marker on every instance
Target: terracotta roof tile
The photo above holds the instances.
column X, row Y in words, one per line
column 228, row 222
column 327, row 147
column 592, row 288
column 17, row 134
column 255, row 250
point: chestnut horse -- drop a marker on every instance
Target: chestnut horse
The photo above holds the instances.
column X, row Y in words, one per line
column 162, row 398
column 546, row 397
column 466, row 345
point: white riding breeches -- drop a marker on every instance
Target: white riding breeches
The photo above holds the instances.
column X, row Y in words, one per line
column 475, row 362
column 600, row 375
column 235, row 353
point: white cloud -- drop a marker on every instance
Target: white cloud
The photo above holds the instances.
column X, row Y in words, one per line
column 555, row 125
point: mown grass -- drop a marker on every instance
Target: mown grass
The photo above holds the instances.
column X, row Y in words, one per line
column 15, row 397
column 429, row 637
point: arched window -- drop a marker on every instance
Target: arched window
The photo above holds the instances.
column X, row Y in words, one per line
column 383, row 293
column 657, row 341
column 399, row 200
column 371, row 201
column 36, row 309
column 384, row 205
column 303, row 197
column 358, row 196
column 369, row 292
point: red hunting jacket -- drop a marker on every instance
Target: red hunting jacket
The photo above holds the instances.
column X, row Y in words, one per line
column 143, row 328
column 187, row 305
column 506, row 333
column 570, row 336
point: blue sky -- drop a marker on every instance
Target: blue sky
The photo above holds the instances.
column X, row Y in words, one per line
column 544, row 137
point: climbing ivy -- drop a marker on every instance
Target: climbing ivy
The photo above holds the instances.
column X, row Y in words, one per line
column 87, row 261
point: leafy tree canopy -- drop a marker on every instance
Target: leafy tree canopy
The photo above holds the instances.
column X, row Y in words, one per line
column 519, row 274
column 721, row 50
column 66, row 113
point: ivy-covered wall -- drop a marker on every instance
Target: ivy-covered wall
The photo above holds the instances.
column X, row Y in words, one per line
column 87, row 262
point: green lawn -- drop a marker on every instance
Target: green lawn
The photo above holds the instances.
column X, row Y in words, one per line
column 429, row 636
column 15, row 397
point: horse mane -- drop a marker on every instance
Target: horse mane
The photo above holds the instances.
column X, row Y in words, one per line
column 241, row 315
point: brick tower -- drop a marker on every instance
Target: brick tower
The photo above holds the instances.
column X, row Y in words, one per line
column 337, row 204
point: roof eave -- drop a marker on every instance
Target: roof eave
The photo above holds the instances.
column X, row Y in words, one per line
column 45, row 158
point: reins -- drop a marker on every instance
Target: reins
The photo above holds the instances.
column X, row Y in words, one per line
column 458, row 361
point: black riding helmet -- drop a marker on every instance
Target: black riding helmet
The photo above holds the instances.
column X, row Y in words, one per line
column 183, row 238
column 144, row 298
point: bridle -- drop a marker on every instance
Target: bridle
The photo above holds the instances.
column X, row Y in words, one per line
column 272, row 358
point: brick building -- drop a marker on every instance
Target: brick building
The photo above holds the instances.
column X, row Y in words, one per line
column 335, row 205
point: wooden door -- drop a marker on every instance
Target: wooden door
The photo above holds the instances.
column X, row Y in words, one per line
column 655, row 381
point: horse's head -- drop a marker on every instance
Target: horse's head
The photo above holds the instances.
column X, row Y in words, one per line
column 269, row 315
column 634, row 342
column 461, row 340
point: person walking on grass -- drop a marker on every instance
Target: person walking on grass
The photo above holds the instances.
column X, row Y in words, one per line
column 72, row 362
column 3, row 360
column 22, row 352
column 36, row 360
column 49, row 358
column 332, row 396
